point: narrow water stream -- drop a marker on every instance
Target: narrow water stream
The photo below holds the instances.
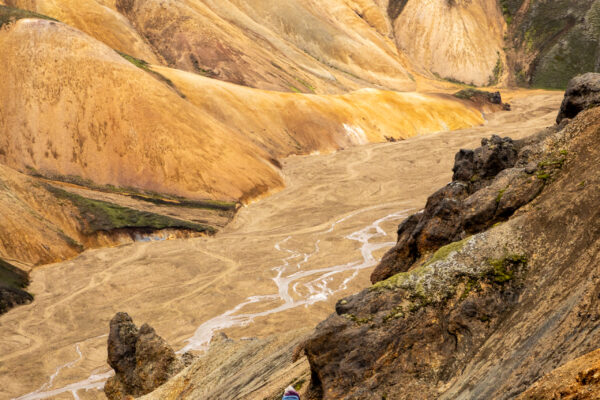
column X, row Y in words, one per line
column 290, row 276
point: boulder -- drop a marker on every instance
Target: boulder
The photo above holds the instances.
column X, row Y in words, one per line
column 582, row 93
column 495, row 155
column 141, row 359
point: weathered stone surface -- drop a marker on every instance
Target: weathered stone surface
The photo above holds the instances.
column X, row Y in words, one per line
column 494, row 155
column 472, row 202
column 582, row 93
column 576, row 380
column 489, row 315
column 142, row 360
column 417, row 327
column 257, row 368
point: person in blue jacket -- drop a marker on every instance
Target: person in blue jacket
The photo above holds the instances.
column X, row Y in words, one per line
column 290, row 394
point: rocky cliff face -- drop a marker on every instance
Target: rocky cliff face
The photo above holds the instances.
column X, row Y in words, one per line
column 250, row 369
column 489, row 184
column 549, row 42
column 488, row 315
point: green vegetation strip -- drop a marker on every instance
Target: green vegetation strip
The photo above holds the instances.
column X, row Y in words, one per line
column 150, row 197
column 468, row 94
column 204, row 204
column 104, row 216
column 142, row 64
column 10, row 14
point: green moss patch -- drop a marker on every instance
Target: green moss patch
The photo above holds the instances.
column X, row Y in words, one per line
column 443, row 252
column 103, row 216
column 150, row 197
column 9, row 15
column 547, row 168
column 498, row 71
column 357, row 320
column 504, row 269
column 142, row 64
column 471, row 93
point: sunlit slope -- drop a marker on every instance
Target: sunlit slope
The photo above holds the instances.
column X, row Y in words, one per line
column 34, row 224
column 310, row 46
column 294, row 45
column 285, row 123
column 88, row 112
column 72, row 106
column 97, row 19
column 454, row 39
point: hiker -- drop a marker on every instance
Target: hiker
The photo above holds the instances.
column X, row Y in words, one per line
column 290, row 394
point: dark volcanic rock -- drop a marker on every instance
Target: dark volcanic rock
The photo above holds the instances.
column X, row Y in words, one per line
column 12, row 282
column 486, row 316
column 142, row 360
column 495, row 155
column 11, row 297
column 482, row 97
column 582, row 93
column 482, row 193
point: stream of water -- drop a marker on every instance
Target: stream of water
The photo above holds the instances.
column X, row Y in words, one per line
column 296, row 287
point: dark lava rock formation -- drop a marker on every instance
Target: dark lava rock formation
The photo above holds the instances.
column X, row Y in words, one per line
column 11, row 297
column 482, row 97
column 514, row 296
column 489, row 184
column 142, row 360
column 583, row 93
column 12, row 282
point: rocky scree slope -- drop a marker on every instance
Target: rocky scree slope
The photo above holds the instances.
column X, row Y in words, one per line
column 492, row 312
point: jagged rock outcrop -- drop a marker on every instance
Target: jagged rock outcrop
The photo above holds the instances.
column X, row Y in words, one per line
column 489, row 184
column 487, row 316
column 582, row 93
column 141, row 359
column 487, row 101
